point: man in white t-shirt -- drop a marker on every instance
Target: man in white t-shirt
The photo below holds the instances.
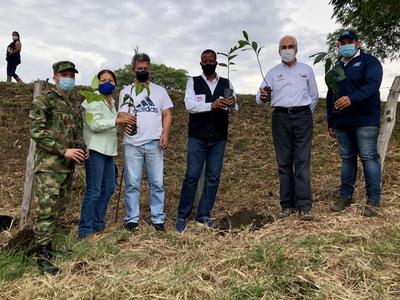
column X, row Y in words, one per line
column 145, row 142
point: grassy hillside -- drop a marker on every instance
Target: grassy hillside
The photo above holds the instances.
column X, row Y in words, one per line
column 337, row 256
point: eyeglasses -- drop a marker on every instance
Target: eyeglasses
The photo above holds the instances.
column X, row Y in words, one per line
column 288, row 47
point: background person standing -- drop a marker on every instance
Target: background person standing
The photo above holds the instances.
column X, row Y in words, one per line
column 13, row 57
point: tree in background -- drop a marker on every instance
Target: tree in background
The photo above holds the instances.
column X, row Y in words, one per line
column 377, row 22
column 170, row 78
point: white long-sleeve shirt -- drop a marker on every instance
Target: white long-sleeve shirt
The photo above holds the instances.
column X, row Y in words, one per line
column 196, row 103
column 291, row 86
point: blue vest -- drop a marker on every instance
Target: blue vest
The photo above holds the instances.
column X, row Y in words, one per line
column 211, row 124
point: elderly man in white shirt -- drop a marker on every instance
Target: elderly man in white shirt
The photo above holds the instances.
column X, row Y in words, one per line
column 292, row 90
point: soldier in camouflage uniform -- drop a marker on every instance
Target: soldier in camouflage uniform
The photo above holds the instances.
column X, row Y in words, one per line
column 57, row 129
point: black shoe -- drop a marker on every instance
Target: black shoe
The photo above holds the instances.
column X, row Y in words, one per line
column 159, row 227
column 286, row 212
column 132, row 226
column 370, row 210
column 43, row 260
column 306, row 215
column 49, row 249
column 341, row 204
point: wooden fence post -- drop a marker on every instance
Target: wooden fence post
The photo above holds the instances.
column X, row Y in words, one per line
column 389, row 119
column 29, row 172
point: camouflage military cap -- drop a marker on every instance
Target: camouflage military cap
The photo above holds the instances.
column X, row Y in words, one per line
column 64, row 65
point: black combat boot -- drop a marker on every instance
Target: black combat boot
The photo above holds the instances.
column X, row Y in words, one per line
column 44, row 256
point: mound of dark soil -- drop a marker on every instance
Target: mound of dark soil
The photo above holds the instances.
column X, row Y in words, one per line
column 244, row 218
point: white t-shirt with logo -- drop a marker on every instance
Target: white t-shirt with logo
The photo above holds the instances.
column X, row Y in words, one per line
column 149, row 110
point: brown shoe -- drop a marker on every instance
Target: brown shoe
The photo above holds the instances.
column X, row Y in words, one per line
column 306, row 215
column 370, row 210
column 341, row 204
column 286, row 212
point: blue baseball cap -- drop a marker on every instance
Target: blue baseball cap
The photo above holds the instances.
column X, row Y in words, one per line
column 348, row 34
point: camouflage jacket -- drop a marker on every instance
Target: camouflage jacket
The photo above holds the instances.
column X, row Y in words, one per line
column 56, row 125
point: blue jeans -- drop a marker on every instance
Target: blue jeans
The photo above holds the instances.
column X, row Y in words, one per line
column 360, row 141
column 134, row 157
column 100, row 185
column 199, row 151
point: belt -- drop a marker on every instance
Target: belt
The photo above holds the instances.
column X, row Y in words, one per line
column 291, row 110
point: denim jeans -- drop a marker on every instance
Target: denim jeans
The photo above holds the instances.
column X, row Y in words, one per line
column 360, row 141
column 100, row 185
column 292, row 136
column 199, row 151
column 134, row 156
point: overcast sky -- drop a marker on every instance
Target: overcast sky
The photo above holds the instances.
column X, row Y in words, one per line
column 97, row 34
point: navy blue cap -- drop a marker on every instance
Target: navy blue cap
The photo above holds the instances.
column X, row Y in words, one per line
column 348, row 34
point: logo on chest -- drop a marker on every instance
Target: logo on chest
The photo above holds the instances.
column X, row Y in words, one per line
column 303, row 75
column 280, row 78
column 146, row 105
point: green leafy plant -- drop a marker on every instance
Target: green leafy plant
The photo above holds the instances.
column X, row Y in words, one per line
column 331, row 55
column 332, row 79
column 333, row 73
column 323, row 56
column 91, row 95
column 229, row 59
column 128, row 100
column 253, row 46
column 139, row 87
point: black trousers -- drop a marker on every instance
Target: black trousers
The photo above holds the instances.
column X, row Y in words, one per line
column 292, row 135
column 11, row 68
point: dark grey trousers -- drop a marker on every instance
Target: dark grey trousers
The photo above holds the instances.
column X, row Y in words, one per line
column 292, row 135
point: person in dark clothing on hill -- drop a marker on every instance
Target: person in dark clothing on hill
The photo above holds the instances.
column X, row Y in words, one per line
column 353, row 114
column 209, row 109
column 13, row 57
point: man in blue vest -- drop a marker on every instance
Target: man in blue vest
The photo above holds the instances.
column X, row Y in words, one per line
column 353, row 113
column 208, row 132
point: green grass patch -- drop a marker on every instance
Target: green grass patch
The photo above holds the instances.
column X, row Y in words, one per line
column 13, row 266
column 68, row 246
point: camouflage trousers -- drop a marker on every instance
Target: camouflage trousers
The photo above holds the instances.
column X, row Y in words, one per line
column 52, row 193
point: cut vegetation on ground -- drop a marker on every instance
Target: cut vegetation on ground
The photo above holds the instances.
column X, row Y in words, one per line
column 254, row 256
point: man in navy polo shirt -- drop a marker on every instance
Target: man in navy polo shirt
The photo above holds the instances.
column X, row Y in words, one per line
column 354, row 118
column 208, row 132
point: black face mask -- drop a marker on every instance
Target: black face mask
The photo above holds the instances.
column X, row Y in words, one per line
column 142, row 76
column 208, row 69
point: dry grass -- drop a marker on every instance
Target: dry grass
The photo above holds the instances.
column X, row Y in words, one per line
column 338, row 256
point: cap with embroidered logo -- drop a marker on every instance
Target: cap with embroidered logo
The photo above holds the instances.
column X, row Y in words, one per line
column 348, row 34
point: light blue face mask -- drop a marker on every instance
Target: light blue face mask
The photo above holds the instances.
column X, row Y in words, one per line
column 66, row 84
column 347, row 50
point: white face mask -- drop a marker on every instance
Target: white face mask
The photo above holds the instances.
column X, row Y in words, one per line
column 14, row 37
column 287, row 55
